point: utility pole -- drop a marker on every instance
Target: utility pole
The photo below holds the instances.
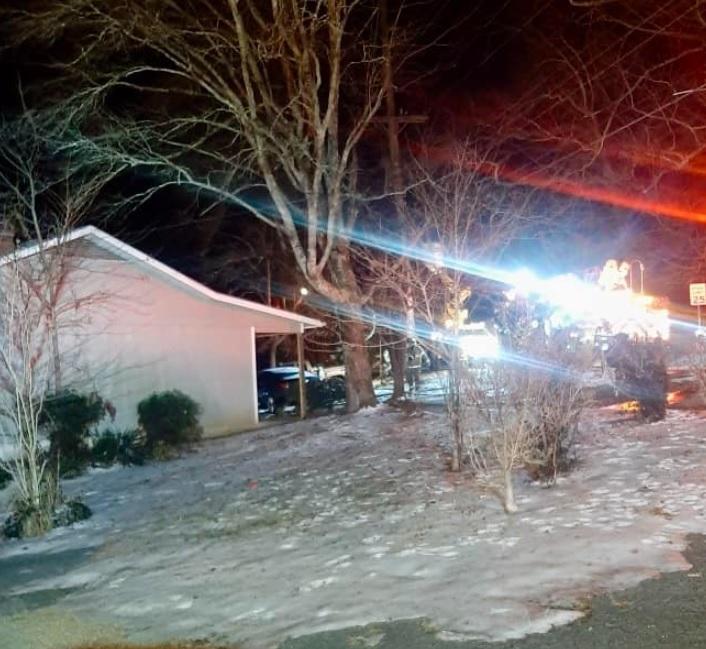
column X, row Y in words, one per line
column 394, row 166
column 395, row 182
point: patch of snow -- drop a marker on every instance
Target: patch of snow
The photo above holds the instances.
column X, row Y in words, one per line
column 318, row 525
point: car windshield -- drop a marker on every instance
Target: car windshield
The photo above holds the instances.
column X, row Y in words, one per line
column 290, row 369
column 282, row 374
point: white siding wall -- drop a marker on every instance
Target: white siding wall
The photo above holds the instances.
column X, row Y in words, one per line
column 135, row 333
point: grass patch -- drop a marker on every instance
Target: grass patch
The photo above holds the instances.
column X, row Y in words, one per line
column 169, row 645
column 54, row 628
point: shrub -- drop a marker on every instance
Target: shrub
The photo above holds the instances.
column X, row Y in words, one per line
column 162, row 451
column 68, row 418
column 30, row 519
column 70, row 512
column 104, row 451
column 124, row 447
column 506, row 415
column 641, row 374
column 33, row 519
column 131, row 448
column 169, row 419
column 558, row 401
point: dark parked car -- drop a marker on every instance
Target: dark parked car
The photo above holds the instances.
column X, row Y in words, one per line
column 278, row 388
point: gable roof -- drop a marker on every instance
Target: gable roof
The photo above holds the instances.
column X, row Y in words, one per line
column 127, row 252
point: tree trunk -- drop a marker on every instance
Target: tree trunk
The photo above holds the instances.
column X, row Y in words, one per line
column 398, row 367
column 456, row 447
column 274, row 346
column 55, row 353
column 509, row 503
column 393, row 169
column 359, row 373
column 394, row 181
column 455, row 412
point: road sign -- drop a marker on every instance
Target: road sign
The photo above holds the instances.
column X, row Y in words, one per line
column 697, row 294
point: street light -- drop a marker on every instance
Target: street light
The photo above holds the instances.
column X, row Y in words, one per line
column 435, row 256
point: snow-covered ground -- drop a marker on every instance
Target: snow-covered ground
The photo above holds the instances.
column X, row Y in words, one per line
column 432, row 389
column 340, row 521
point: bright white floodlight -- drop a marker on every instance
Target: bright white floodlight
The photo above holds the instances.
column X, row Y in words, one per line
column 478, row 342
column 525, row 281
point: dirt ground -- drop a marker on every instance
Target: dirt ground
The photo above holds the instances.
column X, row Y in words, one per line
column 349, row 526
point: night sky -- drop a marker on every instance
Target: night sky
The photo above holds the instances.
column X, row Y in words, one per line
column 490, row 68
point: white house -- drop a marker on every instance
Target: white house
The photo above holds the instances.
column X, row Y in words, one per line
column 131, row 325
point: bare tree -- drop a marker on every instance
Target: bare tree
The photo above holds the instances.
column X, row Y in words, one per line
column 30, row 356
column 44, row 197
column 523, row 409
column 458, row 223
column 495, row 415
column 278, row 96
column 25, row 374
column 31, row 327
column 608, row 110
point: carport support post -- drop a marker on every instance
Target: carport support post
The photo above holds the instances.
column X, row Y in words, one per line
column 302, row 378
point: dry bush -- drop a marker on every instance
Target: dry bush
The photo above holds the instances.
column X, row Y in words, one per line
column 559, row 398
column 521, row 411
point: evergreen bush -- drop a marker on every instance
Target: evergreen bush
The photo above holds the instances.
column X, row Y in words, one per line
column 68, row 418
column 123, row 447
column 170, row 419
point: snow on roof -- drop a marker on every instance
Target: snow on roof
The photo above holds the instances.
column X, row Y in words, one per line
column 129, row 253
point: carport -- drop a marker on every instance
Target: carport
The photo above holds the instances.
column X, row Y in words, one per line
column 280, row 322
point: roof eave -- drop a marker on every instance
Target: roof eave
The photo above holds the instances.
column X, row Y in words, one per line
column 90, row 231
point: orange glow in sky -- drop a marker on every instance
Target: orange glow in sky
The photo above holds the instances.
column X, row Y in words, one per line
column 568, row 187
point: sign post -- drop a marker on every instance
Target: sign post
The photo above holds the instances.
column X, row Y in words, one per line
column 697, row 298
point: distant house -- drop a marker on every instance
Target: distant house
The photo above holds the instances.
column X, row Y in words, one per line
column 131, row 325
